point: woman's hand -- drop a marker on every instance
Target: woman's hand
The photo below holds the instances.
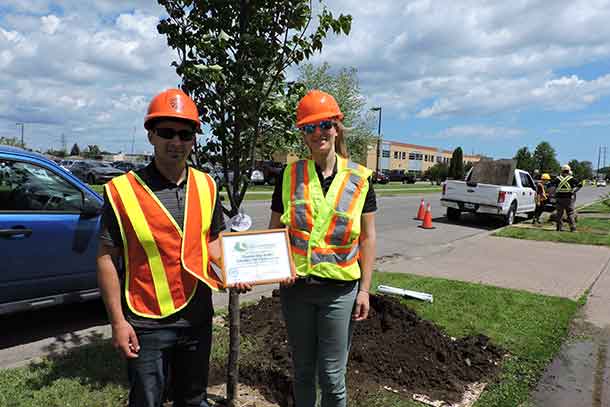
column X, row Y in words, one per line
column 288, row 282
column 362, row 306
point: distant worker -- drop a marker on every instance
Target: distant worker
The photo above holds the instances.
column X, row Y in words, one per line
column 566, row 187
column 541, row 196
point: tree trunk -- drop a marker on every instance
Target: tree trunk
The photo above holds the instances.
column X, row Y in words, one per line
column 233, row 365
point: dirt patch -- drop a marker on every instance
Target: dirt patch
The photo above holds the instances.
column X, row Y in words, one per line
column 393, row 349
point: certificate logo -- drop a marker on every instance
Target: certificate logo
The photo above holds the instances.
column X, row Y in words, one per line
column 240, row 247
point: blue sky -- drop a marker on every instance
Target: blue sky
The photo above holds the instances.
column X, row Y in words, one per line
column 487, row 76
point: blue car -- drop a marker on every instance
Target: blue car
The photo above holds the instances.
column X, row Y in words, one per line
column 49, row 222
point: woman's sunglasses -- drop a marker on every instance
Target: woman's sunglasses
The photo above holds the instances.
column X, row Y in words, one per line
column 169, row 134
column 311, row 128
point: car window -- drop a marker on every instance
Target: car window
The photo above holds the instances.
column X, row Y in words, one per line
column 525, row 180
column 29, row 187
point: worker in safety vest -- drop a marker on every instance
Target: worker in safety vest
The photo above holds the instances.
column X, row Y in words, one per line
column 159, row 229
column 566, row 187
column 328, row 205
column 541, row 196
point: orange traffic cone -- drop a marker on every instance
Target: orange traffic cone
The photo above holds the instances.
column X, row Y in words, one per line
column 427, row 223
column 422, row 211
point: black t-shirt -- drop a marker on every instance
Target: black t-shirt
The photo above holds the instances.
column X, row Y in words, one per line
column 173, row 197
column 277, row 205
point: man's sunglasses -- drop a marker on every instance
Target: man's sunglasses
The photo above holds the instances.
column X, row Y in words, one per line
column 169, row 134
column 311, row 128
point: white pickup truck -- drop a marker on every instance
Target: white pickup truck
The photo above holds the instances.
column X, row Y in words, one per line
column 494, row 188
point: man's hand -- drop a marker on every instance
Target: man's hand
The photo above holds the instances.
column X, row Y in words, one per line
column 242, row 288
column 124, row 339
column 361, row 308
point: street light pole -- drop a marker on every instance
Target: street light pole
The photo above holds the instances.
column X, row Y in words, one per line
column 378, row 109
column 22, row 126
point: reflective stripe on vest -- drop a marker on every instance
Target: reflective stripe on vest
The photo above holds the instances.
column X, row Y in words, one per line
column 324, row 231
column 564, row 184
column 160, row 272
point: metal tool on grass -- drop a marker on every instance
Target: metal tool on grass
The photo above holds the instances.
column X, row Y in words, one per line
column 386, row 289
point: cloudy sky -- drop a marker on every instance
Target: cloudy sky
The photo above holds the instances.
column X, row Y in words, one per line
column 490, row 76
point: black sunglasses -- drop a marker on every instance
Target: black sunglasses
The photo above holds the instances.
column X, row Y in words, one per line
column 169, row 134
column 311, row 128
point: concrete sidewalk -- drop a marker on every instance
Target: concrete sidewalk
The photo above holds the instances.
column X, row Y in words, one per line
column 558, row 269
column 580, row 374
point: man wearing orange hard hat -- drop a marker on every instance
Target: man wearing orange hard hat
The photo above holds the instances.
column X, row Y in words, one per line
column 328, row 206
column 159, row 227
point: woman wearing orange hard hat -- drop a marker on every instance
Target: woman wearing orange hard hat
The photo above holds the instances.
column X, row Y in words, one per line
column 328, row 205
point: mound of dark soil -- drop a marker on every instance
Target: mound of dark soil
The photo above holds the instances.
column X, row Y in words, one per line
column 393, row 347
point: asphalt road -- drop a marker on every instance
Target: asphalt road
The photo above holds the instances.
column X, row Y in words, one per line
column 29, row 335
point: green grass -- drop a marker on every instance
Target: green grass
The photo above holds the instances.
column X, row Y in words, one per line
column 264, row 192
column 530, row 327
column 598, row 207
column 589, row 229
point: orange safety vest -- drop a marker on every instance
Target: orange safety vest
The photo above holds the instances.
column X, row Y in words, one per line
column 163, row 264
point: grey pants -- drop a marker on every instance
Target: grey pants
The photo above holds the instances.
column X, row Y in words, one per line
column 318, row 319
column 565, row 204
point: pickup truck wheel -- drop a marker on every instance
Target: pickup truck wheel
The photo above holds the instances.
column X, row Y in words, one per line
column 453, row 214
column 509, row 219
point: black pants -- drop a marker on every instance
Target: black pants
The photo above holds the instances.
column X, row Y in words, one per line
column 180, row 353
column 538, row 211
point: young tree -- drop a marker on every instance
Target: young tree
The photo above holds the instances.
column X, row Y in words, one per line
column 545, row 159
column 437, row 173
column 524, row 159
column 75, row 150
column 232, row 57
column 456, row 167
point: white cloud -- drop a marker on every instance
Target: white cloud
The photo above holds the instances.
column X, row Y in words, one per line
column 49, row 24
column 480, row 132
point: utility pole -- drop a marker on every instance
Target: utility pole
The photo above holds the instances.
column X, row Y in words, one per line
column 22, row 126
column 378, row 109
column 599, row 156
column 64, row 147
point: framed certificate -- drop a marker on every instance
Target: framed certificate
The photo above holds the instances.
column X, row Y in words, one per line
column 256, row 257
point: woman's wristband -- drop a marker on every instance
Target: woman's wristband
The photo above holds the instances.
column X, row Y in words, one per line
column 363, row 291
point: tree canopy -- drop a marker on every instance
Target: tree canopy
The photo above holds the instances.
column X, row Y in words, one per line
column 232, row 58
column 545, row 158
column 456, row 167
column 525, row 160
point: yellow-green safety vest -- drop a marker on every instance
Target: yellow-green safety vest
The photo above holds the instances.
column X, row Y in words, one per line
column 324, row 230
column 564, row 184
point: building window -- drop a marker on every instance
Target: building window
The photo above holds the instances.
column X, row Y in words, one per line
column 385, row 153
column 396, row 155
column 419, row 157
column 403, row 155
column 411, row 156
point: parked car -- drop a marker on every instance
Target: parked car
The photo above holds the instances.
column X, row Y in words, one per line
column 380, row 178
column 257, row 177
column 67, row 164
column 491, row 187
column 400, row 176
column 95, row 172
column 271, row 170
column 601, row 182
column 49, row 222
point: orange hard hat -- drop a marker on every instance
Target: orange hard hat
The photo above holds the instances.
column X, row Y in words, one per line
column 317, row 105
column 172, row 103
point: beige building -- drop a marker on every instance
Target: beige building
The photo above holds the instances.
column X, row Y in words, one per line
column 411, row 158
